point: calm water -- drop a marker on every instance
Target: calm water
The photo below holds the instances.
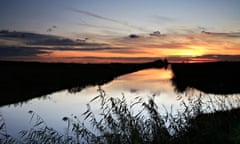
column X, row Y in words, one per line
column 53, row 107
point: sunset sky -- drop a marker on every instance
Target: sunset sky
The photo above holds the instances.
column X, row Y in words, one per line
column 119, row 31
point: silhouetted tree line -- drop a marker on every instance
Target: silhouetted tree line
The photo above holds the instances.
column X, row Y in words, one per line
column 21, row 81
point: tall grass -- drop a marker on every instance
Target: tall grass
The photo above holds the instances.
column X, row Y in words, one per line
column 139, row 122
column 5, row 138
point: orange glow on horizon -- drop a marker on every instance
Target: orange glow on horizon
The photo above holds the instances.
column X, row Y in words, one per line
column 59, row 54
column 187, row 50
column 191, row 51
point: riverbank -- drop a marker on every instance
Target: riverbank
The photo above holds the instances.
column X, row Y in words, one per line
column 220, row 127
column 212, row 77
column 21, row 81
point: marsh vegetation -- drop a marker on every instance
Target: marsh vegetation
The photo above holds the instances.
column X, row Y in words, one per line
column 201, row 119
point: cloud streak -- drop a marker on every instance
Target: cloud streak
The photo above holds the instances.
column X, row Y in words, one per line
column 25, row 35
column 221, row 57
column 81, row 49
column 103, row 27
column 46, row 40
column 63, row 42
column 96, row 16
column 20, row 51
column 163, row 19
column 16, row 51
column 204, row 58
column 107, row 19
column 201, row 46
column 230, row 35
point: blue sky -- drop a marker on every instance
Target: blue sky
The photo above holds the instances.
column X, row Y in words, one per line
column 37, row 16
column 104, row 21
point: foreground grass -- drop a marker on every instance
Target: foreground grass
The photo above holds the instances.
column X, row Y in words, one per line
column 218, row 127
column 139, row 123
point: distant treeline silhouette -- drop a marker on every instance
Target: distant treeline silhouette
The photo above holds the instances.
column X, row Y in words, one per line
column 212, row 77
column 21, row 81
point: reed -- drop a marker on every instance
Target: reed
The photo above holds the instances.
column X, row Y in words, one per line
column 201, row 119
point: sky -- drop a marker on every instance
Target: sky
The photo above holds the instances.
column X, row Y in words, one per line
column 93, row 31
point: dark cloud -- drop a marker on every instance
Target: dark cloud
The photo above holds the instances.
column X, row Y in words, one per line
column 7, row 51
column 231, row 35
column 4, row 31
column 15, row 51
column 79, row 49
column 133, row 36
column 156, row 33
column 25, row 35
column 34, row 44
column 82, row 40
column 51, row 28
column 64, row 42
column 46, row 40
column 209, row 57
column 132, row 90
column 55, row 41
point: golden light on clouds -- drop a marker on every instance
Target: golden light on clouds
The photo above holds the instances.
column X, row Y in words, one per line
column 178, row 47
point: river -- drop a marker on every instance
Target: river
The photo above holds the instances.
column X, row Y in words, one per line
column 149, row 83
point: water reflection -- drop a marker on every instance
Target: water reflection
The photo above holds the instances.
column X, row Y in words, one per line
column 23, row 81
column 142, row 83
column 146, row 84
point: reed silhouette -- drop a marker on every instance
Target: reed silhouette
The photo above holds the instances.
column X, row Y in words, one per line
column 118, row 123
